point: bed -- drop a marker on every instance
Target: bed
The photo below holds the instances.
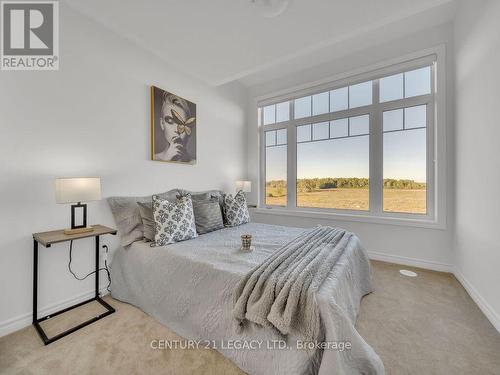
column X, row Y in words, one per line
column 188, row 286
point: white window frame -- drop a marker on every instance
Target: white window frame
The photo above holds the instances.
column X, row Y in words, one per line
column 436, row 141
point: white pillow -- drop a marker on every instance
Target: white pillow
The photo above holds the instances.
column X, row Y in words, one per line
column 236, row 209
column 174, row 222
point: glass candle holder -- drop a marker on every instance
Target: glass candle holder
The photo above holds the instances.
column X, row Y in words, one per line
column 246, row 241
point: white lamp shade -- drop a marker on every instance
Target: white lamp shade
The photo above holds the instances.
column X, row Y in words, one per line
column 246, row 186
column 80, row 189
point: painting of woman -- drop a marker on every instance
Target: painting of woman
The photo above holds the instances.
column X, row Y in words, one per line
column 173, row 127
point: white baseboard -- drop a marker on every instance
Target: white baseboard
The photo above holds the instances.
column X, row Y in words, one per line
column 24, row 320
column 485, row 307
column 413, row 262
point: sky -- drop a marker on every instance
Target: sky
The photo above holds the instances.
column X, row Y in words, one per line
column 404, row 157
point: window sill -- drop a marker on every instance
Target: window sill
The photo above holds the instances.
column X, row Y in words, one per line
column 409, row 222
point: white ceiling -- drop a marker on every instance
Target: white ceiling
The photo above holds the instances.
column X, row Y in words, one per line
column 220, row 41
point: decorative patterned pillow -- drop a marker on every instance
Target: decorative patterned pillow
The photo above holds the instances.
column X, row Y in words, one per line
column 174, row 222
column 236, row 209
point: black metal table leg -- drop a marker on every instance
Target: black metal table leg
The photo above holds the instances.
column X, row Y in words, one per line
column 35, row 280
column 39, row 329
column 96, row 266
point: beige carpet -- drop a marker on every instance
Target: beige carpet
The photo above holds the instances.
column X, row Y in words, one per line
column 424, row 325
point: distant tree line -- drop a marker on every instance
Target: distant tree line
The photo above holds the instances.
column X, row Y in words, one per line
column 312, row 184
column 390, row 183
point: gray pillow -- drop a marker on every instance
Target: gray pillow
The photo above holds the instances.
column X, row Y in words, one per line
column 203, row 195
column 207, row 194
column 207, row 215
column 146, row 210
column 128, row 217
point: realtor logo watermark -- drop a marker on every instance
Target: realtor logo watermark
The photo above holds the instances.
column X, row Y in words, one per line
column 29, row 35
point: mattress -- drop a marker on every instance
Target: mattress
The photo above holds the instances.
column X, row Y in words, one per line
column 188, row 286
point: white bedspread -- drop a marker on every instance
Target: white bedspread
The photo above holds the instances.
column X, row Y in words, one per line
column 188, row 286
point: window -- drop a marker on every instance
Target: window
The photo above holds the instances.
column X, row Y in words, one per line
column 276, row 113
column 302, row 107
column 282, row 112
column 364, row 147
column 353, row 96
column 405, row 85
column 360, row 94
column 276, row 158
column 333, row 167
column 321, row 103
column 339, row 99
column 405, row 160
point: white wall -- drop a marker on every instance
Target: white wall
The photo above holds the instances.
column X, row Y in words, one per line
column 91, row 118
column 419, row 246
column 477, row 236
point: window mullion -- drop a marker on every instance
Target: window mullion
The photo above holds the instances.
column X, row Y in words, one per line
column 291, row 160
column 376, row 153
column 262, row 142
column 431, row 149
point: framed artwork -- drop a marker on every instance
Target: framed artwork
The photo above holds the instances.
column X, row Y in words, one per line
column 173, row 128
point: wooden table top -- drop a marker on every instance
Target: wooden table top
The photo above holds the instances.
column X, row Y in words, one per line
column 56, row 236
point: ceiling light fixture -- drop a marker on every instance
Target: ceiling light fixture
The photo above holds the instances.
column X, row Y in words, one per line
column 271, row 8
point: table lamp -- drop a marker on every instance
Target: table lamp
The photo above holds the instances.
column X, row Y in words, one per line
column 78, row 190
column 245, row 186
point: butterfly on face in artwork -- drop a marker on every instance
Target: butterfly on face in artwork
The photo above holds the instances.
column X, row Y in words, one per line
column 183, row 126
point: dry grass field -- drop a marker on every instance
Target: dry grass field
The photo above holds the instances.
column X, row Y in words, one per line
column 400, row 200
column 395, row 200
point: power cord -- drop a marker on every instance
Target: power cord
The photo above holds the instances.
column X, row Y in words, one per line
column 90, row 273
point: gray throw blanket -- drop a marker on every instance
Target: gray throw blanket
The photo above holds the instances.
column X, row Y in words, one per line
column 281, row 292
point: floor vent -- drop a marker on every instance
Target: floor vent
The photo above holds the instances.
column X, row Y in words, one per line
column 408, row 273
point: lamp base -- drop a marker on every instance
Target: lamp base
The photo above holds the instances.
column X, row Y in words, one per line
column 78, row 230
